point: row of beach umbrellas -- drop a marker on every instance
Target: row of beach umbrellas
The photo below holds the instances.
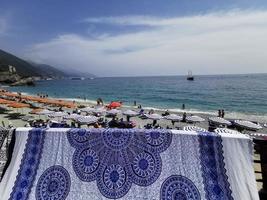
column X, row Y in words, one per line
column 130, row 113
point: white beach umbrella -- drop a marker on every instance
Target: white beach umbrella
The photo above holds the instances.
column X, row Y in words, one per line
column 87, row 119
column 194, row 119
column 45, row 112
column 247, row 125
column 114, row 112
column 226, row 130
column 194, row 128
column 72, row 116
column 87, row 109
column 58, row 114
column 130, row 113
column 99, row 110
column 173, row 117
column 154, row 116
column 219, row 120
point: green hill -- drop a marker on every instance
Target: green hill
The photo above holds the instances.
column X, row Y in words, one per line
column 27, row 69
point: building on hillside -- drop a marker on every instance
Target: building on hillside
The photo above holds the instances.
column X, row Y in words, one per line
column 8, row 73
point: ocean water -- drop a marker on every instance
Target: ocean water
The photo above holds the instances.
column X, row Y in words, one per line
column 239, row 95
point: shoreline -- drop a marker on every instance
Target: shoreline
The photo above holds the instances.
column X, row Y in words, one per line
column 140, row 123
column 229, row 115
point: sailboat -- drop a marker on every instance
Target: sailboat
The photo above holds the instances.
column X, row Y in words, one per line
column 190, row 76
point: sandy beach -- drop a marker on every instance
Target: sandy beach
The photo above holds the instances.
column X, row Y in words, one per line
column 140, row 123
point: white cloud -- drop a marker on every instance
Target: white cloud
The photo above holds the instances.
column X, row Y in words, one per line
column 224, row 18
column 223, row 42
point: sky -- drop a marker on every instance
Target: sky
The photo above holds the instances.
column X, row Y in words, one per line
column 138, row 38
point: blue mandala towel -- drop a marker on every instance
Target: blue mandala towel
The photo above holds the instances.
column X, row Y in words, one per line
column 58, row 164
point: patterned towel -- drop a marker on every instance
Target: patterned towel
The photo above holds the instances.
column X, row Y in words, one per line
column 58, row 164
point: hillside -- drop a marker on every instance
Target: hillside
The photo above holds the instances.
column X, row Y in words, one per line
column 48, row 71
column 28, row 69
column 23, row 68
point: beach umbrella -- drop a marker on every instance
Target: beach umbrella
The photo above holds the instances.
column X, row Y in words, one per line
column 4, row 101
column 173, row 117
column 99, row 110
column 226, row 130
column 58, row 114
column 87, row 119
column 45, row 112
column 113, row 112
column 114, row 104
column 10, row 94
column 247, row 125
column 36, row 110
column 154, row 116
column 194, row 119
column 18, row 105
column 88, row 109
column 194, row 128
column 219, row 120
column 130, row 113
column 72, row 116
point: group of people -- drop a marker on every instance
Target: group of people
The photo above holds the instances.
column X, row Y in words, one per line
column 42, row 95
column 221, row 113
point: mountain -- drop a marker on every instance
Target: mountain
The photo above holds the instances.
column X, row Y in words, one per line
column 48, row 71
column 30, row 69
column 23, row 68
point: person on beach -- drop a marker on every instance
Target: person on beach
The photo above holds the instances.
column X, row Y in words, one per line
column 219, row 113
column 222, row 114
column 183, row 106
column 128, row 118
column 184, row 117
column 99, row 101
column 134, row 103
column 166, row 113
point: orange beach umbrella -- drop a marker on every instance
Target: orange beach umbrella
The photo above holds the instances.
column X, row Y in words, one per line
column 4, row 101
column 18, row 105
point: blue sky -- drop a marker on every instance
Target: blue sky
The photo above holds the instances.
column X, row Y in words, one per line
column 141, row 37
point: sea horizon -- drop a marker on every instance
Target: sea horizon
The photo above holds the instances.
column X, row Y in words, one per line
column 179, row 75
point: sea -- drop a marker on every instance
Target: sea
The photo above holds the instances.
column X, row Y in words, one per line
column 241, row 96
